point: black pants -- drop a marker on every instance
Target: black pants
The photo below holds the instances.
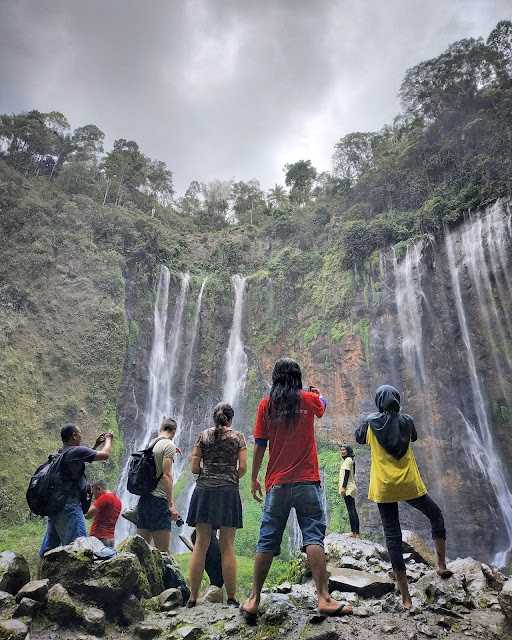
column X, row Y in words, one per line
column 393, row 533
column 352, row 513
column 213, row 561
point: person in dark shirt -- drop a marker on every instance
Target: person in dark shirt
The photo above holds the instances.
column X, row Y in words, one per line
column 69, row 524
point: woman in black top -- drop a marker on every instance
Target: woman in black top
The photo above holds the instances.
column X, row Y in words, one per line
column 220, row 458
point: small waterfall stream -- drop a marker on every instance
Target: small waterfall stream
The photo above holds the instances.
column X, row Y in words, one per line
column 236, row 358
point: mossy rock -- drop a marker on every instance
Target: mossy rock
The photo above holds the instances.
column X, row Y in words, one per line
column 150, row 561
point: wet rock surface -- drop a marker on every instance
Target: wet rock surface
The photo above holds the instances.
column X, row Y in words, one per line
column 472, row 603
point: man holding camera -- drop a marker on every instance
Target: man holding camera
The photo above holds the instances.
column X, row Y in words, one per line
column 69, row 523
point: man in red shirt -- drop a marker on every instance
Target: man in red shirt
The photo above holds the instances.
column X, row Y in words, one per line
column 105, row 510
column 285, row 421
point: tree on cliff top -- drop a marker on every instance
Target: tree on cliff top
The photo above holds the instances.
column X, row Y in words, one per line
column 299, row 177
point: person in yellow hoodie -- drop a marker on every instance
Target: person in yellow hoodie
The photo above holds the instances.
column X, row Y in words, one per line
column 395, row 477
column 347, row 486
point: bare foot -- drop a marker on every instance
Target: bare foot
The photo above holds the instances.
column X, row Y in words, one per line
column 407, row 604
column 355, row 535
column 443, row 572
column 328, row 606
column 251, row 605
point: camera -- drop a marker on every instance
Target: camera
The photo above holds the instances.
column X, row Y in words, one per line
column 179, row 522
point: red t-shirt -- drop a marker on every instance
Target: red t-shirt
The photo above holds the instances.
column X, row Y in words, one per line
column 108, row 507
column 293, row 454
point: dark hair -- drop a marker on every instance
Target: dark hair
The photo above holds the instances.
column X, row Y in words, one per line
column 67, row 432
column 169, row 424
column 285, row 391
column 222, row 415
column 350, row 454
column 101, row 484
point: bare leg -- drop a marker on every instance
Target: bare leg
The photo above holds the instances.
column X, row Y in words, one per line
column 440, row 545
column 262, row 564
column 146, row 534
column 227, row 552
column 403, row 585
column 162, row 539
column 196, row 567
column 316, row 559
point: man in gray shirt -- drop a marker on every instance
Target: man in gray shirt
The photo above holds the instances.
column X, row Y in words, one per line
column 156, row 510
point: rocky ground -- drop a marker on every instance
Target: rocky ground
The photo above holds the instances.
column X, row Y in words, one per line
column 139, row 594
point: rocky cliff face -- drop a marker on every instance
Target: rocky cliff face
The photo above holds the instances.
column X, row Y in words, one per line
column 432, row 318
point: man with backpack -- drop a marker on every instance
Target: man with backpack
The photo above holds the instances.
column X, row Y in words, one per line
column 156, row 510
column 70, row 485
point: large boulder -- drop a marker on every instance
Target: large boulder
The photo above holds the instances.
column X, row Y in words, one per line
column 367, row 585
column 108, row 582
column 451, row 591
column 173, row 578
column 62, row 608
column 14, row 572
column 415, row 545
column 505, row 599
column 340, row 545
column 150, row 561
column 27, row 608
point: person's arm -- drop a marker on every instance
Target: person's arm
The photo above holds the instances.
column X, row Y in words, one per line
column 259, row 451
column 195, row 460
column 242, row 462
column 344, row 477
column 361, row 433
column 319, row 402
column 92, row 511
column 168, row 485
column 414, row 433
column 106, row 447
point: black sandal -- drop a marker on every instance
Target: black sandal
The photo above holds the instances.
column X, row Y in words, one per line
column 250, row 618
column 232, row 602
column 191, row 604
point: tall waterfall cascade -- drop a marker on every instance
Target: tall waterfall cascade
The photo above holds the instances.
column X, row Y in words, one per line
column 161, row 372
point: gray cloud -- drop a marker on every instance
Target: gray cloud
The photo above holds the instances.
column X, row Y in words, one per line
column 225, row 88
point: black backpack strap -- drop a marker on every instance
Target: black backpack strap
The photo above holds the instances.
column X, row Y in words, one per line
column 151, row 447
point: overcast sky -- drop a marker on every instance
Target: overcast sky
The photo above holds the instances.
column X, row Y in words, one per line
column 226, row 88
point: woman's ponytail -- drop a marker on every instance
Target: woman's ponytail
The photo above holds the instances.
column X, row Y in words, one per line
column 222, row 416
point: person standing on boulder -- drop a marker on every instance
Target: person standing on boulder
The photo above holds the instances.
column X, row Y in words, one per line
column 285, row 421
column 105, row 510
column 395, row 477
column 347, row 486
column 156, row 510
column 69, row 524
column 219, row 457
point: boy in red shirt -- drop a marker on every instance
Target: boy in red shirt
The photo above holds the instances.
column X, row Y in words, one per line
column 285, row 421
column 105, row 510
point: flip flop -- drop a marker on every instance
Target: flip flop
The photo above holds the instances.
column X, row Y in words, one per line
column 342, row 610
column 250, row 618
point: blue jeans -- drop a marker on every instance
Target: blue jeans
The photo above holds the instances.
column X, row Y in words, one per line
column 306, row 499
column 64, row 527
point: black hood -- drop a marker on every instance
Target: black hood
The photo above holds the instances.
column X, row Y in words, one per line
column 392, row 430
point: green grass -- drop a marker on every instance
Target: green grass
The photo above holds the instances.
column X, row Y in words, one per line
column 24, row 539
column 279, row 572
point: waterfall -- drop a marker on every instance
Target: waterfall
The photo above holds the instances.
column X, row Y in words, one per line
column 161, row 370
column 236, row 358
column 480, row 445
column 184, row 436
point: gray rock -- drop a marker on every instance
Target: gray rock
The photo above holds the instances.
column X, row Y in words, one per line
column 13, row 630
column 188, row 633
column 495, row 579
column 389, row 628
column 415, row 545
column 148, row 630
column 364, row 584
column 277, row 612
column 36, row 590
column 14, row 572
column 230, row 628
column 94, row 621
column 132, row 611
column 472, row 572
column 7, row 604
column 173, row 577
column 339, row 545
column 170, row 599
column 427, row 631
column 61, row 607
column 27, row 608
column 362, row 612
column 213, row 595
column 443, row 592
column 150, row 561
column 285, row 587
column 505, row 599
